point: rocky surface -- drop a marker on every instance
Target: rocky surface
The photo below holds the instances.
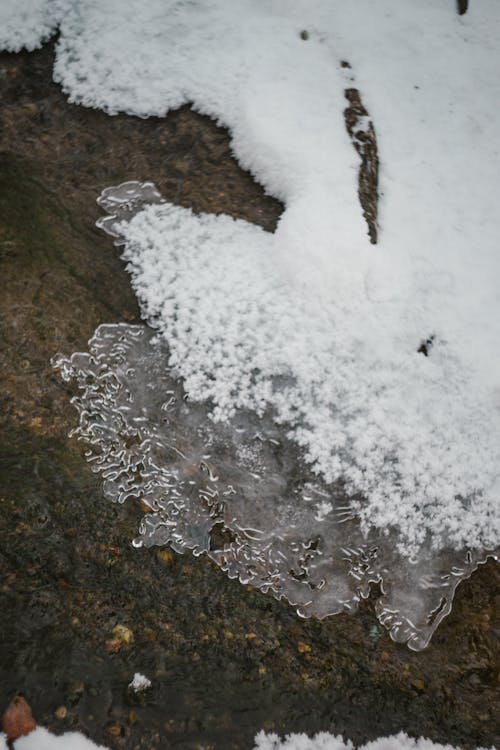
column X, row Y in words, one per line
column 80, row 610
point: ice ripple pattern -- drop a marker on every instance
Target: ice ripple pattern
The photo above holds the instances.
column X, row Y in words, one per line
column 241, row 493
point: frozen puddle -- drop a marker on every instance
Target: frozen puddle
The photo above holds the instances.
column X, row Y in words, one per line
column 240, row 493
column 240, row 490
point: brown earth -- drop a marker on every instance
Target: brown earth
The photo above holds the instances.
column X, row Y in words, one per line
column 225, row 661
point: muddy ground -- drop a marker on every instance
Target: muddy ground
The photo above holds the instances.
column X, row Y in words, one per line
column 225, row 661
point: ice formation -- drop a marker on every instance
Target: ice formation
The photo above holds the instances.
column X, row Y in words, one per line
column 312, row 331
column 403, row 430
column 240, row 492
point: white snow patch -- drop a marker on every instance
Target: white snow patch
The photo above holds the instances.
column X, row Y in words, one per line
column 140, row 683
column 326, row 741
column 26, row 23
column 323, row 509
column 42, row 739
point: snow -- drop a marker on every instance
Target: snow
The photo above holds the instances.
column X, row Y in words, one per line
column 26, row 24
column 41, row 739
column 140, row 682
column 313, row 322
column 326, row 741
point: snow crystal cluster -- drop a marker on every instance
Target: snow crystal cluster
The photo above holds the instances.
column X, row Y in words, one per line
column 139, row 683
column 404, row 430
column 26, row 24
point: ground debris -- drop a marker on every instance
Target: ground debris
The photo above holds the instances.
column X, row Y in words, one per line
column 362, row 134
column 18, row 720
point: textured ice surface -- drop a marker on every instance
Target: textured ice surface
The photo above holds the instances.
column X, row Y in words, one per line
column 410, row 433
column 240, row 492
column 311, row 321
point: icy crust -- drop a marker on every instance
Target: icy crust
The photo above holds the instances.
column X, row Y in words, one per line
column 411, row 435
column 27, row 23
column 240, row 492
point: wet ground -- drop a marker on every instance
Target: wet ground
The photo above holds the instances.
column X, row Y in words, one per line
column 225, row 661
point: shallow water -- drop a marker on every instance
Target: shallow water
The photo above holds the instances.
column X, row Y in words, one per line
column 240, row 492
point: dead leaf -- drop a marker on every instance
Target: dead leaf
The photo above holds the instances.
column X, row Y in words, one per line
column 18, row 720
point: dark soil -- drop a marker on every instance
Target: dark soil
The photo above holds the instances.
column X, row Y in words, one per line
column 363, row 138
column 225, row 661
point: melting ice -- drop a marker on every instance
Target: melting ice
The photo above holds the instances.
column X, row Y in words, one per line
column 373, row 459
column 238, row 489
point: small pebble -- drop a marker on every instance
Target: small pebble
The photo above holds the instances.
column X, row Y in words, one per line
column 29, row 109
column 418, row 684
column 123, row 634
column 61, row 712
column 166, row 556
column 115, row 730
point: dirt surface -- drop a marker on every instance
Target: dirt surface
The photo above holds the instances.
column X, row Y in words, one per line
column 224, row 661
column 362, row 134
